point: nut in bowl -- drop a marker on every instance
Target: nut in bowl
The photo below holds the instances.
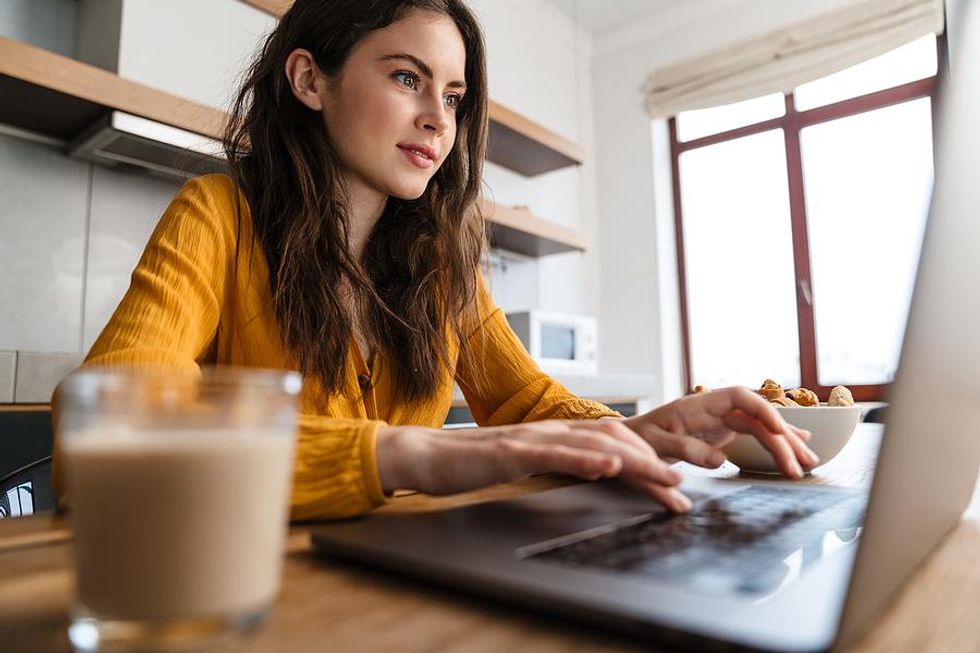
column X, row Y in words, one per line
column 830, row 426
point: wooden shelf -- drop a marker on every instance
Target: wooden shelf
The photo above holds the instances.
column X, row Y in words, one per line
column 525, row 146
column 514, row 142
column 58, row 97
column 275, row 7
column 518, row 230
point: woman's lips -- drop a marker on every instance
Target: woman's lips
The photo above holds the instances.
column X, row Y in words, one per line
column 417, row 156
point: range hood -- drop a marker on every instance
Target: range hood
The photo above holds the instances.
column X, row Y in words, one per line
column 124, row 139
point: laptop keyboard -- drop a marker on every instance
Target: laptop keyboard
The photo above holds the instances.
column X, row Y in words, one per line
column 751, row 541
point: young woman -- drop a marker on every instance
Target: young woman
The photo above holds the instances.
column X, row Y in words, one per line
column 346, row 243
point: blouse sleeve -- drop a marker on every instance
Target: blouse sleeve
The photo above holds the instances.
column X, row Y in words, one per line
column 169, row 317
column 501, row 382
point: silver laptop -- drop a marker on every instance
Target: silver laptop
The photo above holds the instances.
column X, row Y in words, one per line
column 774, row 566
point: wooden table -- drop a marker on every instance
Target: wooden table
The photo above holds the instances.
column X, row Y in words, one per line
column 332, row 606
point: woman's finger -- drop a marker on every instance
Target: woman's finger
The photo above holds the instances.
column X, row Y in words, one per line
column 764, row 420
column 777, row 445
column 753, row 405
column 670, row 497
column 690, row 449
column 640, row 462
column 745, row 424
column 802, row 434
column 782, row 453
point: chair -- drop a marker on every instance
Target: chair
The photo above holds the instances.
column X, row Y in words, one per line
column 25, row 463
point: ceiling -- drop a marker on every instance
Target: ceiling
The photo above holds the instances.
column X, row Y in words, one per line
column 603, row 17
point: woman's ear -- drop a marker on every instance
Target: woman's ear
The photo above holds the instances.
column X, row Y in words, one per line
column 304, row 78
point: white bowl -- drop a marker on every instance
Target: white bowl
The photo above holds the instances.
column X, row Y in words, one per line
column 830, row 426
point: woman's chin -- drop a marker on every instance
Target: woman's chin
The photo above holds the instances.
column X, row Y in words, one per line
column 407, row 191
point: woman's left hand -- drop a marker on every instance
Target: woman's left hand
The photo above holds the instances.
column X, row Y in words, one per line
column 695, row 428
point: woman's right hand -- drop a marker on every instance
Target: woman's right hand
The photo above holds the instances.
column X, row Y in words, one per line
column 448, row 461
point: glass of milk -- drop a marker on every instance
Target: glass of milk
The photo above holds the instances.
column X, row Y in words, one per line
column 178, row 494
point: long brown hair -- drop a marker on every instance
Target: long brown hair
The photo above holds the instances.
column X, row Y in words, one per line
column 418, row 275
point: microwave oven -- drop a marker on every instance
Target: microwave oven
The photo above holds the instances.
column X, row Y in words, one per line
column 558, row 342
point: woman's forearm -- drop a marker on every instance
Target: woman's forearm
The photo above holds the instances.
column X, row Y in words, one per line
column 444, row 462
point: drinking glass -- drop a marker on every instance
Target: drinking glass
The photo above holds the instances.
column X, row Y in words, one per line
column 178, row 490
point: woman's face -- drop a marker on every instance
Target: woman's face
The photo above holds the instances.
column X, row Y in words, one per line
column 391, row 111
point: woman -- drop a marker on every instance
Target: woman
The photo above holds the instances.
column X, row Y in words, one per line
column 351, row 253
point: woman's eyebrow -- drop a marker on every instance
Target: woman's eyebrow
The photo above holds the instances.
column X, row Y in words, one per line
column 421, row 65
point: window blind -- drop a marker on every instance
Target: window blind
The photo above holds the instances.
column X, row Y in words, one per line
column 799, row 53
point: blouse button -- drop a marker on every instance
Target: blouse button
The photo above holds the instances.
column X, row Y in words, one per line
column 365, row 381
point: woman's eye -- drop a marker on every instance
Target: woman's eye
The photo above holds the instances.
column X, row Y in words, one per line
column 453, row 100
column 408, row 80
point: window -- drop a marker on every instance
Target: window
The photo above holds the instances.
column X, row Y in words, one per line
column 799, row 223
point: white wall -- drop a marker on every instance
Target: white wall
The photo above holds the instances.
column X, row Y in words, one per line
column 640, row 304
column 954, row 14
column 539, row 65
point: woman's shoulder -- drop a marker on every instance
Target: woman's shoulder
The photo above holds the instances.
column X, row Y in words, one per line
column 213, row 200
column 215, row 190
column 205, row 216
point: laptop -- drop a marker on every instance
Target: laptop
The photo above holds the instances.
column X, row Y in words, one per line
column 765, row 566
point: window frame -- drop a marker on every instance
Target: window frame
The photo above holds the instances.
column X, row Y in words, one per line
column 792, row 123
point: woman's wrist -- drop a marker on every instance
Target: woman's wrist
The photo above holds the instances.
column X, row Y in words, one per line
column 396, row 452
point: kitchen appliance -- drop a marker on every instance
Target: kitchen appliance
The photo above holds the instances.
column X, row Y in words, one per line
column 558, row 342
column 120, row 138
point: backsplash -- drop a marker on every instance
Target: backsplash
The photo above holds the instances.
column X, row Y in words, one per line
column 72, row 233
column 8, row 370
column 28, row 377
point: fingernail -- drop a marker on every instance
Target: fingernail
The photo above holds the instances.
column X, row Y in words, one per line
column 682, row 503
column 716, row 458
column 812, row 457
column 797, row 469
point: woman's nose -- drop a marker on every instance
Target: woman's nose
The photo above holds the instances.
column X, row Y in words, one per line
column 434, row 117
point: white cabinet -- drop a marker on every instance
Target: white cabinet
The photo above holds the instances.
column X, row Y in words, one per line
column 196, row 49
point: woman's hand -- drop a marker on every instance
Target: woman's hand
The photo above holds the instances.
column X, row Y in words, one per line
column 444, row 462
column 695, row 427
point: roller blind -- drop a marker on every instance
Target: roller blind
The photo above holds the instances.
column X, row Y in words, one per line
column 799, row 53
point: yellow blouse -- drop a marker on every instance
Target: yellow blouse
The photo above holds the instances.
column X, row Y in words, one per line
column 188, row 304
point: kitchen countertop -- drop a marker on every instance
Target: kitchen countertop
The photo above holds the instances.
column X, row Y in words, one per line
column 625, row 387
